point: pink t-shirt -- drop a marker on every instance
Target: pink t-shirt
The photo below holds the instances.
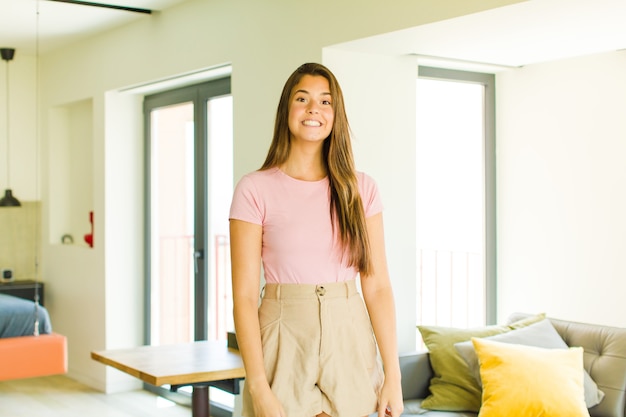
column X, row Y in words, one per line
column 298, row 242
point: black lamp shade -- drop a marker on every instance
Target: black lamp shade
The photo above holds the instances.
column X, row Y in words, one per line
column 8, row 200
column 7, row 53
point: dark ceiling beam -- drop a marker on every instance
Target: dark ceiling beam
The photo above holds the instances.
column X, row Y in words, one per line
column 107, row 6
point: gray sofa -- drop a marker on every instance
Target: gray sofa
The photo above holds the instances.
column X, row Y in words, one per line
column 604, row 359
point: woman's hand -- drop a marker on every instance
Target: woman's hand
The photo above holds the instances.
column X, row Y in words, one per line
column 266, row 404
column 390, row 402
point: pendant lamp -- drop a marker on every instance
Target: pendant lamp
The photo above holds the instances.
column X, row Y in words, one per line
column 8, row 200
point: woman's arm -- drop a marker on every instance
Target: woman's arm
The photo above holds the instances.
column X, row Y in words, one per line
column 378, row 296
column 245, row 253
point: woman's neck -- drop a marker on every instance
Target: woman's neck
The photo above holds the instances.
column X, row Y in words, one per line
column 303, row 165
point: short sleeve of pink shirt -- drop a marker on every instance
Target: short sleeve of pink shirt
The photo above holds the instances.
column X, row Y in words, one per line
column 298, row 246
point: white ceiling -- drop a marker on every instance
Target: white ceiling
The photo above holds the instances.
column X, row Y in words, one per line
column 523, row 33
column 511, row 36
column 62, row 23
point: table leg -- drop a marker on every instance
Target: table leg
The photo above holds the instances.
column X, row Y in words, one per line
column 200, row 401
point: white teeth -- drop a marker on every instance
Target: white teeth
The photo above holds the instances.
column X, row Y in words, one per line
column 311, row 123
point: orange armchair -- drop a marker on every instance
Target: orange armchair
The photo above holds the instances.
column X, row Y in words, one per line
column 32, row 356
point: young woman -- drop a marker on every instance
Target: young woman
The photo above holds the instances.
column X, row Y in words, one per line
column 312, row 347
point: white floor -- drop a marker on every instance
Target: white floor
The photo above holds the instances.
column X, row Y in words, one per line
column 60, row 396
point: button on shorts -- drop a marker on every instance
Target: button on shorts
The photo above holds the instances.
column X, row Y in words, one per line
column 319, row 350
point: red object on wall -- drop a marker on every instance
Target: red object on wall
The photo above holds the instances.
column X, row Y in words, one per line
column 89, row 237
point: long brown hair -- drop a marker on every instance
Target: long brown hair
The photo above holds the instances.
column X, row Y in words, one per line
column 346, row 206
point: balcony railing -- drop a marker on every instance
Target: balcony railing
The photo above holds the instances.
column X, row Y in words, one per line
column 173, row 291
column 450, row 289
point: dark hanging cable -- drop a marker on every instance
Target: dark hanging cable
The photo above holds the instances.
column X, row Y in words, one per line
column 8, row 200
column 38, row 202
column 107, row 6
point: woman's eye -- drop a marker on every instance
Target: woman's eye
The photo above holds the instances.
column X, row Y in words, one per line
column 300, row 99
column 326, row 102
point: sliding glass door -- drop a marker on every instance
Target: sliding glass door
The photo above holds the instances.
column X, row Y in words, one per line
column 189, row 185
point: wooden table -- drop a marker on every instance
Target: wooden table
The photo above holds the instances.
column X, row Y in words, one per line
column 198, row 364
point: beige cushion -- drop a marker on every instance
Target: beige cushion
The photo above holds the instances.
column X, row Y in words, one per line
column 541, row 334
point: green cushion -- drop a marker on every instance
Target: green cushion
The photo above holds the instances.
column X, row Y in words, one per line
column 453, row 387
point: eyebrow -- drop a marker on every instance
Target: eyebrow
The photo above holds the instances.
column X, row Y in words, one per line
column 307, row 92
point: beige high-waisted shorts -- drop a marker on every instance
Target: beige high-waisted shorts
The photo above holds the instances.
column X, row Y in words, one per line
column 319, row 350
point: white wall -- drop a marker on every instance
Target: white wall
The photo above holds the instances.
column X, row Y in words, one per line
column 561, row 176
column 384, row 147
column 95, row 294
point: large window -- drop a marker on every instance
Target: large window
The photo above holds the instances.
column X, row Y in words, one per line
column 189, row 174
column 455, row 198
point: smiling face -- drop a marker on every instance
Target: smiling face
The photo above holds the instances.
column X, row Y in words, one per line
column 311, row 112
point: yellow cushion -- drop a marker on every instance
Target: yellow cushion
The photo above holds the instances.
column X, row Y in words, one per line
column 530, row 381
